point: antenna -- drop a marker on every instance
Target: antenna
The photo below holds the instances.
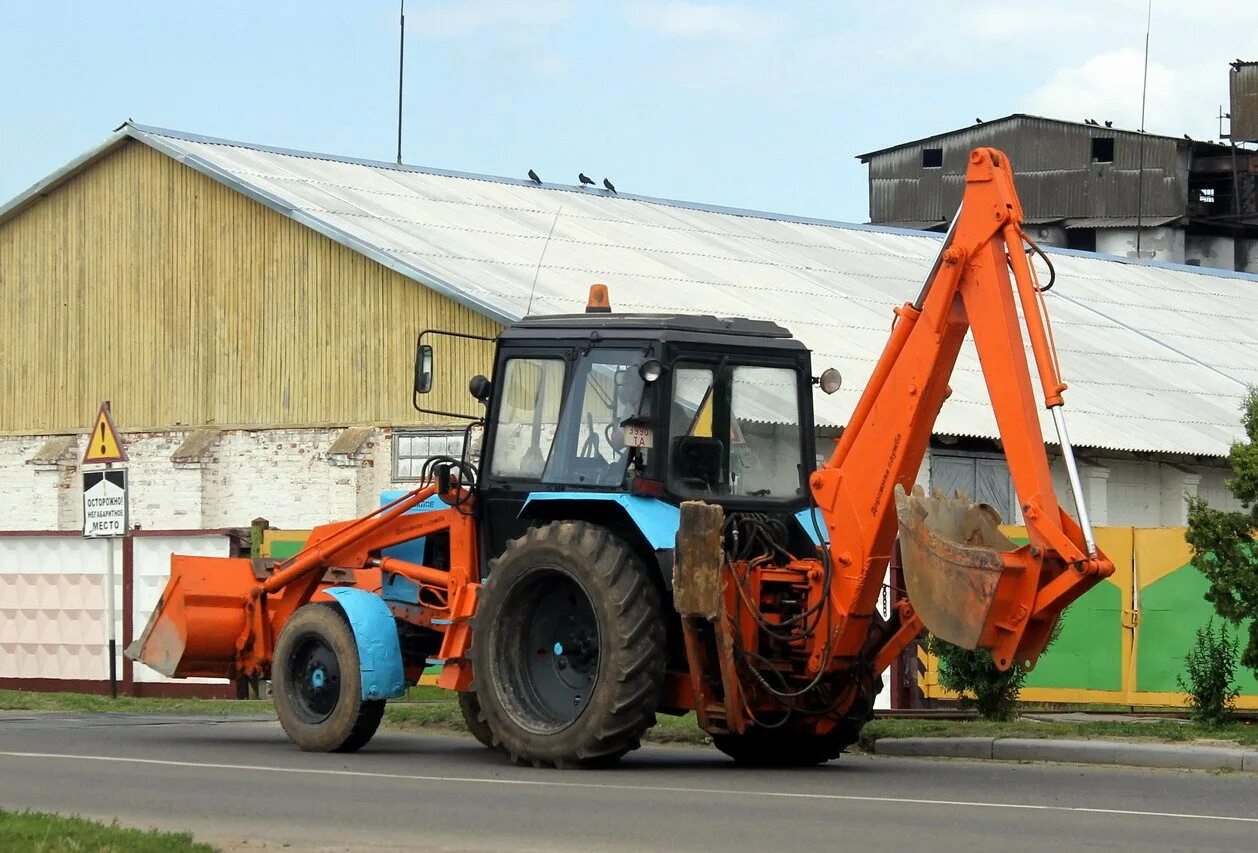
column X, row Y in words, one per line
column 401, row 59
column 1144, row 92
column 529, row 308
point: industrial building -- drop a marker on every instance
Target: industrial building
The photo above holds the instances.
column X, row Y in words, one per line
column 1088, row 186
column 251, row 314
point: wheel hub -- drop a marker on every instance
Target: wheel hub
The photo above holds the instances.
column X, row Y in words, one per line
column 314, row 677
column 558, row 662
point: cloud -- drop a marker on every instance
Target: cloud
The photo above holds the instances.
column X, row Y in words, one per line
column 459, row 18
column 681, row 19
column 1107, row 86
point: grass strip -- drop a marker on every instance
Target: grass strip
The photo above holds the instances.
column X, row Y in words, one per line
column 49, row 833
column 428, row 708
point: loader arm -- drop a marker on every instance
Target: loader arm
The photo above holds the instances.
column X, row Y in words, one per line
column 965, row 582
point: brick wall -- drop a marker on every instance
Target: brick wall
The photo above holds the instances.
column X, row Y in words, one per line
column 286, row 476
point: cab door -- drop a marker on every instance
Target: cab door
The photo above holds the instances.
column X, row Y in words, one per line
column 530, row 385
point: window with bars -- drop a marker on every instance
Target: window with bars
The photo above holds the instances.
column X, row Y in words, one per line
column 412, row 448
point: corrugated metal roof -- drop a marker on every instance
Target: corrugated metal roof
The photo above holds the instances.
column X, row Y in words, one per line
column 1013, row 117
column 1122, row 222
column 1157, row 356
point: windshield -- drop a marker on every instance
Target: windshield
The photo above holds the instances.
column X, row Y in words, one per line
column 734, row 430
column 606, row 390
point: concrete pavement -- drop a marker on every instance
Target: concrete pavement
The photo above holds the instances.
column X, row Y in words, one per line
column 240, row 783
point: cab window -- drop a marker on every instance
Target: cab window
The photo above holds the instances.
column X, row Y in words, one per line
column 528, row 416
column 734, row 430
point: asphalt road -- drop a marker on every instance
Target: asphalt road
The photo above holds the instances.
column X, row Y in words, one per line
column 239, row 783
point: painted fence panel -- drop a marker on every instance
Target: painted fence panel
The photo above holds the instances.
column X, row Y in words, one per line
column 53, row 607
column 1124, row 641
column 1172, row 608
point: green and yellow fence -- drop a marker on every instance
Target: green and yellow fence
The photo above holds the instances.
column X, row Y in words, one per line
column 1124, row 641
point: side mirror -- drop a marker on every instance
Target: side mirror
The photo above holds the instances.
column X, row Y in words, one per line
column 830, row 380
column 480, row 388
column 423, row 369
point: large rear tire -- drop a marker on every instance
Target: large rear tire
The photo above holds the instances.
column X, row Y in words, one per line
column 568, row 647
column 316, row 681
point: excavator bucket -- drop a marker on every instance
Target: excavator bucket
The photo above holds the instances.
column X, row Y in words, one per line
column 951, row 551
column 193, row 629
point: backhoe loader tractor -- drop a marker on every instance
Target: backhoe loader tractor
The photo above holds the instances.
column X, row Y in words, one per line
column 646, row 530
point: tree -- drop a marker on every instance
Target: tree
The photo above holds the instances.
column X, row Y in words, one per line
column 1223, row 545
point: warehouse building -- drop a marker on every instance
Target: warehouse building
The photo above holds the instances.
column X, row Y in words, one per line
column 251, row 314
column 1087, row 186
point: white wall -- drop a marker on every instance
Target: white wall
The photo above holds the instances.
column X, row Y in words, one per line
column 1210, row 250
column 1248, row 256
column 289, row 478
column 1139, row 493
column 1161, row 244
column 285, row 476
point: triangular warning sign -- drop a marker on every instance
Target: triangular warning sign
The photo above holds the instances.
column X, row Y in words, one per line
column 103, row 444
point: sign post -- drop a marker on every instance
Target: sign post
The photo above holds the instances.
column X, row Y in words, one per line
column 105, row 512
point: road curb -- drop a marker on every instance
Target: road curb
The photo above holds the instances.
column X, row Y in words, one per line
column 1163, row 755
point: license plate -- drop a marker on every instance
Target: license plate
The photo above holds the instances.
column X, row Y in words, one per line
column 637, row 436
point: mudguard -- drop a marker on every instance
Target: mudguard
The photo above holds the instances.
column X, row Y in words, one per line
column 375, row 632
column 656, row 519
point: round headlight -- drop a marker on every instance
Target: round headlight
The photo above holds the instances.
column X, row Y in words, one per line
column 651, row 370
column 830, row 380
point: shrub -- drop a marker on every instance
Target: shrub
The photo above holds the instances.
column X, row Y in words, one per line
column 1211, row 668
column 973, row 675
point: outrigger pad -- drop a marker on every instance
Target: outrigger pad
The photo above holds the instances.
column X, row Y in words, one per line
column 951, row 550
column 700, row 555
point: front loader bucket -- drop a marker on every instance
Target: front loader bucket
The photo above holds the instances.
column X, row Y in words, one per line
column 193, row 629
column 951, row 552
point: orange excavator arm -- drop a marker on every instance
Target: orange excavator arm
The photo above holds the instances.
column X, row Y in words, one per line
column 965, row 581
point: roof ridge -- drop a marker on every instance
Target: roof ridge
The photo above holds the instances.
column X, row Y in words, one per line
column 1033, row 116
column 135, row 129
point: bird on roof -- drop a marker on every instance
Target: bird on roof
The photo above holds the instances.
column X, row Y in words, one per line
column 533, row 177
column 978, row 121
column 1090, row 121
column 585, row 179
column 1109, row 124
column 608, row 185
column 1189, row 138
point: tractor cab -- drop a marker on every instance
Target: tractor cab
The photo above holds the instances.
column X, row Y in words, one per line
column 640, row 410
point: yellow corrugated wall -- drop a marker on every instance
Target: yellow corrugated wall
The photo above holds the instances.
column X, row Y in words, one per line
column 183, row 302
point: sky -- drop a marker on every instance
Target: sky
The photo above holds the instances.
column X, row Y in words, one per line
column 761, row 105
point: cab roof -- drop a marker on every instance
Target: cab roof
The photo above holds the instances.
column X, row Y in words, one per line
column 664, row 327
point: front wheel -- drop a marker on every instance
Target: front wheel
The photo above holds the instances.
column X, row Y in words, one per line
column 568, row 647
column 317, row 684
